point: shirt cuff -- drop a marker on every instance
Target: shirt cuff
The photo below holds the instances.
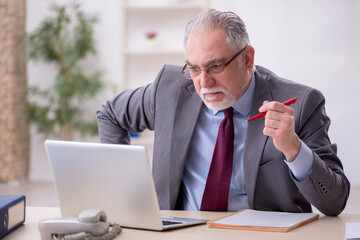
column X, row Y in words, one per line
column 302, row 165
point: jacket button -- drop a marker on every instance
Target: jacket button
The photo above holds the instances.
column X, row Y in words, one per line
column 319, row 182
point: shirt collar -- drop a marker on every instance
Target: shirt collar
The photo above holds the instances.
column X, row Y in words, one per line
column 243, row 105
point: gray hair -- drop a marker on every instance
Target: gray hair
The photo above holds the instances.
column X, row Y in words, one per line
column 232, row 25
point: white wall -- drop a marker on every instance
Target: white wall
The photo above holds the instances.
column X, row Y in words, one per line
column 312, row 42
column 315, row 43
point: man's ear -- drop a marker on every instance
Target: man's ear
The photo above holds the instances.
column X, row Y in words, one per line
column 249, row 55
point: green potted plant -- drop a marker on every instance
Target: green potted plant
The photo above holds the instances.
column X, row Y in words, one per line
column 64, row 40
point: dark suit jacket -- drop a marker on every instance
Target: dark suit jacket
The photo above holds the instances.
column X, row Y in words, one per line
column 170, row 106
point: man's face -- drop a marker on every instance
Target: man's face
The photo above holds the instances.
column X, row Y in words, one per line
column 217, row 90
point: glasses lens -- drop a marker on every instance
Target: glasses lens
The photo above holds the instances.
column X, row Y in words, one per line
column 217, row 68
column 187, row 72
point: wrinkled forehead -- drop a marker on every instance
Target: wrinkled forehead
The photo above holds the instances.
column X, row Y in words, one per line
column 203, row 45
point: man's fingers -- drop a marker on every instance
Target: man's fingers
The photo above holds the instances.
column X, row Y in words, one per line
column 277, row 107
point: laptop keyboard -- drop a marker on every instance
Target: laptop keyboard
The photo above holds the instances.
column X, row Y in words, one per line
column 165, row 222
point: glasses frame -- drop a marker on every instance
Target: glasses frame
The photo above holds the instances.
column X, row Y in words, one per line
column 207, row 69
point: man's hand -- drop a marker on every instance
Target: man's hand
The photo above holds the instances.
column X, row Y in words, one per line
column 280, row 125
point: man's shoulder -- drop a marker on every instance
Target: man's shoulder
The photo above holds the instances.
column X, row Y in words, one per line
column 171, row 76
column 173, row 67
column 276, row 82
column 172, row 71
column 279, row 86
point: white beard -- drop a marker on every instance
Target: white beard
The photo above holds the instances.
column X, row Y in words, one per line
column 227, row 102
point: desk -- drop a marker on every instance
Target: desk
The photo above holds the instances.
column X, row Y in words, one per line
column 329, row 228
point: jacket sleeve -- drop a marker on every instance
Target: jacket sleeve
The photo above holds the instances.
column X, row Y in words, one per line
column 327, row 187
column 130, row 111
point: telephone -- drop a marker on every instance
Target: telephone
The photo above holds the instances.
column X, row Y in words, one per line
column 91, row 224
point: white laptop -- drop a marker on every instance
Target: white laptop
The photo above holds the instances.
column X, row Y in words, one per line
column 114, row 178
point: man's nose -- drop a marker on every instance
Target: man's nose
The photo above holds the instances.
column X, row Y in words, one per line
column 205, row 79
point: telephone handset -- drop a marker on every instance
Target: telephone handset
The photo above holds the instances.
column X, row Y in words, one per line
column 89, row 223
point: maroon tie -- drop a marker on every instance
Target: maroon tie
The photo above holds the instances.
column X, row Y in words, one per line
column 216, row 193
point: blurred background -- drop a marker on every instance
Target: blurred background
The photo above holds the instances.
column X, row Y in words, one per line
column 311, row 42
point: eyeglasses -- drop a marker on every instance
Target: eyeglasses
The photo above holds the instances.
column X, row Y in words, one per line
column 194, row 72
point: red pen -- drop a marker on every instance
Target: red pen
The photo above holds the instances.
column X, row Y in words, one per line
column 287, row 103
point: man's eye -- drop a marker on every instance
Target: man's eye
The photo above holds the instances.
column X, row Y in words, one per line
column 216, row 67
column 195, row 70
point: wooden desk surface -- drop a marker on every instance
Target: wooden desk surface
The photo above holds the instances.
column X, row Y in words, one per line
column 329, row 228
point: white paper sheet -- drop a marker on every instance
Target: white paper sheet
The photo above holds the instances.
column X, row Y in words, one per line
column 352, row 231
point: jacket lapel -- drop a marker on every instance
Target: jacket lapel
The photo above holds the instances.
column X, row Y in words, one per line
column 188, row 107
column 255, row 139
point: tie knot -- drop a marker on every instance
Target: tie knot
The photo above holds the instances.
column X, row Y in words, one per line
column 228, row 112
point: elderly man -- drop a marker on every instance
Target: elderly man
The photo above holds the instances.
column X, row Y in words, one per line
column 207, row 156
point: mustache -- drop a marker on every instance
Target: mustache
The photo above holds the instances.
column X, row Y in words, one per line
column 213, row 90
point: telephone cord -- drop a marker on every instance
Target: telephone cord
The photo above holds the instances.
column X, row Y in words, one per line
column 116, row 229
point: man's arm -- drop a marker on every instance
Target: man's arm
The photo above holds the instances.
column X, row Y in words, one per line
column 130, row 111
column 327, row 187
